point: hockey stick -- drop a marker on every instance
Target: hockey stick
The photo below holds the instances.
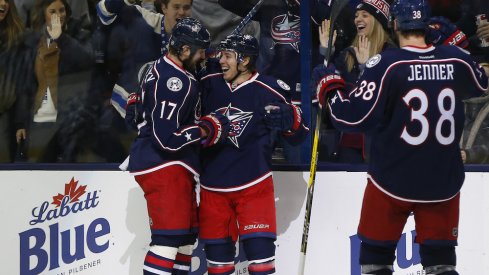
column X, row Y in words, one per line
column 247, row 18
column 337, row 7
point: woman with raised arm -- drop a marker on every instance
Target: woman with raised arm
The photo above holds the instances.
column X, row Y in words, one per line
column 371, row 21
column 52, row 110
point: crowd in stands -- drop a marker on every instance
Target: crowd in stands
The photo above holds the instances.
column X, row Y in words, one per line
column 67, row 67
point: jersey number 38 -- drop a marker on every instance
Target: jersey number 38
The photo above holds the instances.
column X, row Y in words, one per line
column 419, row 116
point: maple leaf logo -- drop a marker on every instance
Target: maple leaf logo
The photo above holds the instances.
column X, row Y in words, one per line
column 72, row 190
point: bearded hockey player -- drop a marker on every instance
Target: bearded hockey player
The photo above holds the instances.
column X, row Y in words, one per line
column 164, row 157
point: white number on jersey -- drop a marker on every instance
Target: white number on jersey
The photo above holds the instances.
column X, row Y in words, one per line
column 170, row 112
column 446, row 115
column 366, row 89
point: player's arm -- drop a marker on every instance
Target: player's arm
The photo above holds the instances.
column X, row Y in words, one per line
column 480, row 78
column 285, row 117
column 107, row 11
column 353, row 108
column 171, row 108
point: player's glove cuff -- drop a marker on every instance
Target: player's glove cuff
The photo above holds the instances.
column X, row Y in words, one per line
column 327, row 84
column 132, row 117
column 132, row 99
column 217, row 128
column 458, row 38
column 443, row 32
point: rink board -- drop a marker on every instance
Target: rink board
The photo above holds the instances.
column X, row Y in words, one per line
column 95, row 222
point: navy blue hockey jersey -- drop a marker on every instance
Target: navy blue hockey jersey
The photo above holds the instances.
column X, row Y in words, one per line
column 410, row 101
column 168, row 135
column 244, row 159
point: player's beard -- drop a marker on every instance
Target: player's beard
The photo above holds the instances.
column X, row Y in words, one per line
column 190, row 64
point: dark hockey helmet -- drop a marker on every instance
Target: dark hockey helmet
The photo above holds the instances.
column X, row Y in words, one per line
column 242, row 45
column 411, row 14
column 189, row 31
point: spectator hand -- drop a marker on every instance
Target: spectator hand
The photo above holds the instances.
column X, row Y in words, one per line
column 282, row 117
column 55, row 29
column 324, row 34
column 483, row 31
column 216, row 127
column 443, row 32
column 20, row 135
column 362, row 52
column 326, row 80
column 463, row 154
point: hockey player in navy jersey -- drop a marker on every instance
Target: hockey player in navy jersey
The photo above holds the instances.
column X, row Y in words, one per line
column 410, row 101
column 164, row 156
column 237, row 193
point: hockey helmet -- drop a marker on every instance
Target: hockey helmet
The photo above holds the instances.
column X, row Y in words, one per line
column 242, row 45
column 411, row 14
column 189, row 31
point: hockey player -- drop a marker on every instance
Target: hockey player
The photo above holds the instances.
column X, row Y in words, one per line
column 410, row 99
column 163, row 158
column 237, row 194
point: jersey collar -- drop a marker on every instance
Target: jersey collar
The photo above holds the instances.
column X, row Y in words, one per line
column 417, row 49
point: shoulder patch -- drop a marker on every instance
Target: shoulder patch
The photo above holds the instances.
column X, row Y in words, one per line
column 374, row 60
column 174, row 84
column 283, row 85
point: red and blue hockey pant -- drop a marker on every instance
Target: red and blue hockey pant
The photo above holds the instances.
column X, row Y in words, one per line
column 172, row 209
column 249, row 213
column 384, row 217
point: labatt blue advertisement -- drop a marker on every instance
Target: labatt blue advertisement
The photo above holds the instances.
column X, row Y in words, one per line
column 42, row 249
column 96, row 223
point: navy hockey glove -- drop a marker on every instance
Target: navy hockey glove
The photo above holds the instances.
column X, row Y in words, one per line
column 217, row 128
column 131, row 118
column 326, row 80
column 282, row 117
column 443, row 32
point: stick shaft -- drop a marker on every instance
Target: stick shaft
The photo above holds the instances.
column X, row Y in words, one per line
column 338, row 5
column 247, row 18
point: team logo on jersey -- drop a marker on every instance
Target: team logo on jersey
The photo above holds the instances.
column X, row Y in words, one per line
column 283, row 85
column 174, row 84
column 374, row 60
column 238, row 119
column 286, row 30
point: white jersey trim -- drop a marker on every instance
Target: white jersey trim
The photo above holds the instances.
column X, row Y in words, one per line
column 426, row 49
column 237, row 188
column 405, row 199
column 211, row 75
column 166, row 164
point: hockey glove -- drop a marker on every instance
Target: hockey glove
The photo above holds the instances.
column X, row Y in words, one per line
column 443, row 32
column 131, row 118
column 216, row 126
column 326, row 80
column 282, row 117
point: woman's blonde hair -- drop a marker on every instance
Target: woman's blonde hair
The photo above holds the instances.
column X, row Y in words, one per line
column 12, row 26
column 377, row 38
